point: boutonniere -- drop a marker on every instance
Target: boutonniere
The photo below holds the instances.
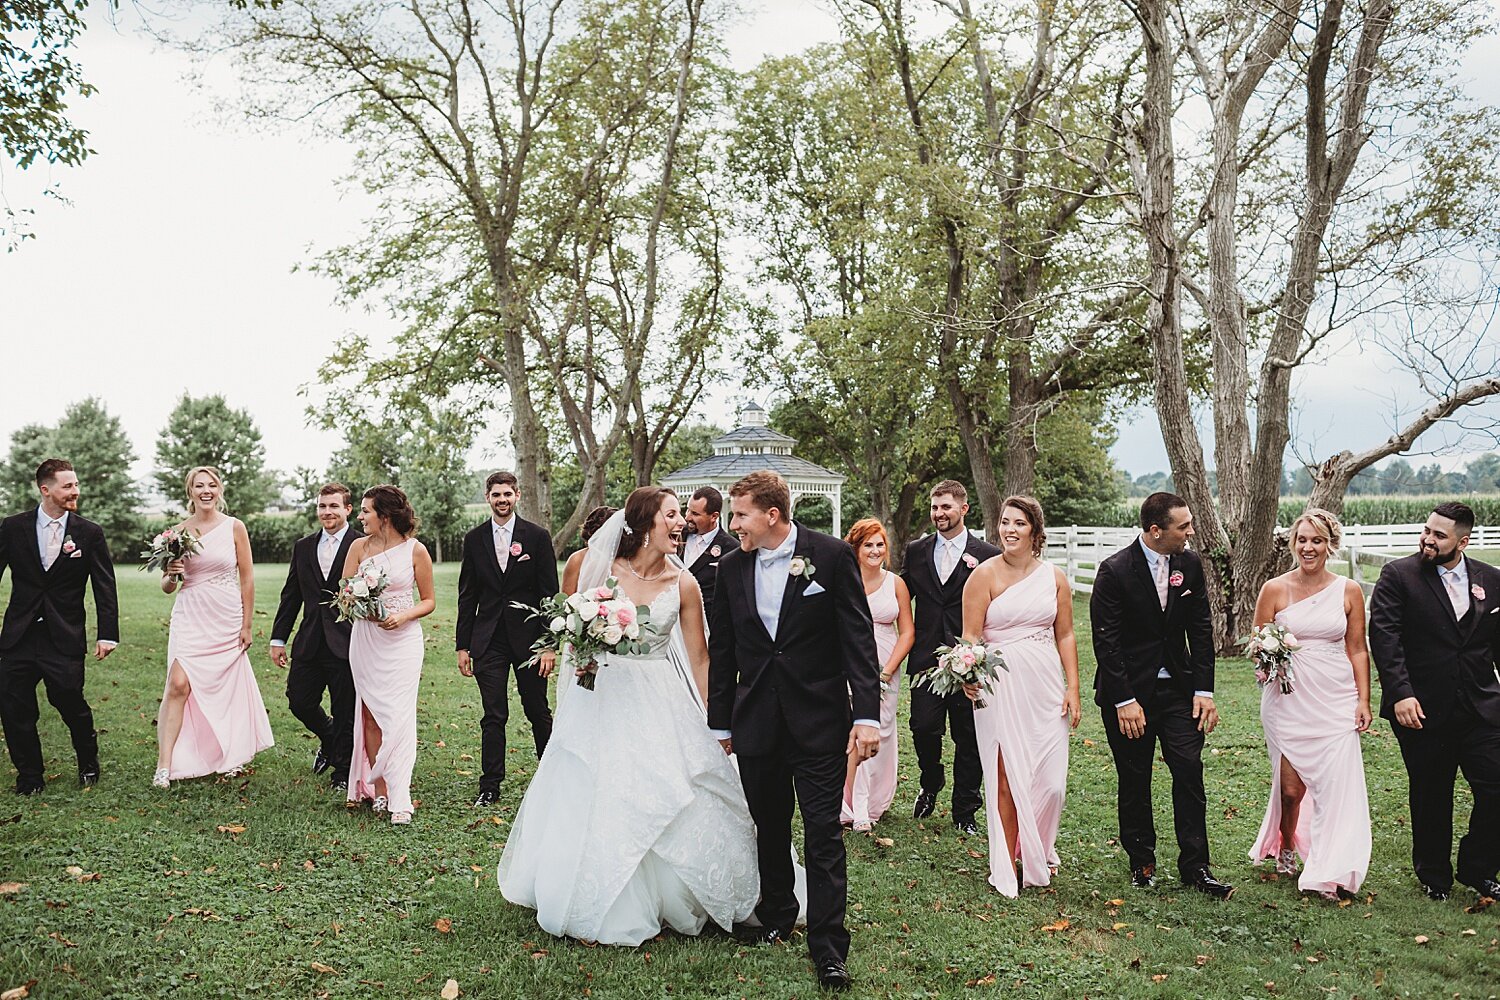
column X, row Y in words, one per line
column 1477, row 591
column 970, row 561
column 1175, row 580
column 714, row 551
column 69, row 546
column 803, row 567
column 515, row 548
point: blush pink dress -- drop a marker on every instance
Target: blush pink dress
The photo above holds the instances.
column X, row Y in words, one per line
column 875, row 780
column 1313, row 728
column 387, row 668
column 224, row 722
column 1022, row 722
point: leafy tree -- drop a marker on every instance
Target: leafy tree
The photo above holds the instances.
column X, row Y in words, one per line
column 1078, row 484
column 434, row 475
column 38, row 78
column 92, row 438
column 208, row 431
column 1484, row 473
column 29, row 446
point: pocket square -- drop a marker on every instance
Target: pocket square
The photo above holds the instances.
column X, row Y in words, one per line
column 1493, row 610
column 523, row 557
column 76, row 554
column 1184, row 593
column 812, row 588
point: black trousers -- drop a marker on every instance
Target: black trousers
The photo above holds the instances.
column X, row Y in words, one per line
column 306, row 680
column 930, row 715
column 1169, row 720
column 817, row 782
column 36, row 658
column 1433, row 757
column 491, row 671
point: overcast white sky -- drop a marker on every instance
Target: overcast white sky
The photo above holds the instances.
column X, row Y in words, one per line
column 172, row 268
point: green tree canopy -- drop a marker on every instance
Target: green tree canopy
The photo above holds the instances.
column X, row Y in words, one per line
column 90, row 437
column 207, row 431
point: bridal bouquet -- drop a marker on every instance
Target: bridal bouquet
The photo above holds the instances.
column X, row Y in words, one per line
column 963, row 663
column 358, row 596
column 593, row 621
column 169, row 546
column 1270, row 648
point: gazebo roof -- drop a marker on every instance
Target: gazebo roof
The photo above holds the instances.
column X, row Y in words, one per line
column 735, row 466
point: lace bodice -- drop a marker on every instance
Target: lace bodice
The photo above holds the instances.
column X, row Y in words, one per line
column 665, row 609
column 399, row 591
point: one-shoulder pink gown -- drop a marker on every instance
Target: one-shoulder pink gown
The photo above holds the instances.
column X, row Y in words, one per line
column 224, row 722
column 1313, row 728
column 1023, row 721
column 387, row 668
column 875, row 779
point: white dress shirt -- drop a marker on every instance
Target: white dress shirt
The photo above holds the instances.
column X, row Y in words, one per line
column 43, row 523
column 326, row 543
column 1152, row 558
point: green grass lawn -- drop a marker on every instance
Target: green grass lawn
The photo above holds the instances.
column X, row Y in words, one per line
column 267, row 886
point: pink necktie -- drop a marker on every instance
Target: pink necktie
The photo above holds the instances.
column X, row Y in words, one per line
column 1456, row 595
column 948, row 564
column 502, row 548
column 1163, row 568
column 54, row 543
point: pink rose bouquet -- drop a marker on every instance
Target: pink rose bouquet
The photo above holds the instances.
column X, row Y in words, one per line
column 963, row 663
column 594, row 622
column 358, row 596
column 169, row 546
column 1270, row 648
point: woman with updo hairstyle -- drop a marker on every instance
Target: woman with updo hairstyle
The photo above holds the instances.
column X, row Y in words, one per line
column 385, row 654
column 591, row 523
column 641, row 509
column 1021, row 606
column 870, row 786
column 212, row 719
column 1319, row 808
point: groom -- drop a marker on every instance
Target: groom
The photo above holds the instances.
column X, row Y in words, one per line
column 52, row 554
column 1154, row 643
column 791, row 643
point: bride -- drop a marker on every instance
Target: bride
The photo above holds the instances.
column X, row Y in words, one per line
column 636, row 820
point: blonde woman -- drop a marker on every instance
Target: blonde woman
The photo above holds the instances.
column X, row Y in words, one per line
column 1318, row 807
column 212, row 718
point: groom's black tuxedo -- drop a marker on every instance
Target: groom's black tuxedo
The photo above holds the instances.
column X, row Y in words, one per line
column 939, row 619
column 43, row 637
column 1449, row 665
column 498, row 635
column 787, row 700
column 320, row 651
column 1134, row 639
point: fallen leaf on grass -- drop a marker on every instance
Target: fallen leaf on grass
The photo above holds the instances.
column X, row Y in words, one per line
column 443, row 925
column 320, row 967
column 308, row 865
column 62, row 940
column 11, row 888
column 232, row 828
column 1469, row 932
column 19, row 992
column 1421, row 939
column 1160, row 977
column 1121, row 927
column 885, row 842
column 81, row 875
column 11, row 819
column 1117, row 902
column 1060, row 924
column 450, row 990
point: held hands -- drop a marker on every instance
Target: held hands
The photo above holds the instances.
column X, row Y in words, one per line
column 546, row 664
column 1409, row 713
column 278, row 656
column 465, row 665
column 1206, row 714
column 864, row 742
column 1362, row 718
column 1132, row 718
column 728, row 746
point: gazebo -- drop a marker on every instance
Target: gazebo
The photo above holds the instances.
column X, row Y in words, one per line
column 754, row 445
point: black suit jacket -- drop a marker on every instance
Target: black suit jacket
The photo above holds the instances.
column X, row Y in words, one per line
column 308, row 589
column 485, row 594
column 1422, row 651
column 799, row 682
column 56, row 595
column 1134, row 638
column 705, row 568
column 939, row 617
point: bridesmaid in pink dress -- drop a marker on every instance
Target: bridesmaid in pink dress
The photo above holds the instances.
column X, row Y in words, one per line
column 385, row 655
column 1312, row 734
column 1023, row 606
column 212, row 719
column 870, row 787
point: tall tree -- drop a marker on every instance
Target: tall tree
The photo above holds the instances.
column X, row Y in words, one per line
column 93, row 439
column 38, row 78
column 206, row 430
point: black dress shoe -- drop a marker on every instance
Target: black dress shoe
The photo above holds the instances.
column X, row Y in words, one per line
column 926, row 802
column 1433, row 892
column 1203, row 880
column 88, row 777
column 25, row 787
column 749, row 934
column 339, row 785
column 1143, row 877
column 967, row 826
column 1489, row 888
column 321, row 762
column 834, row 975
column 486, row 798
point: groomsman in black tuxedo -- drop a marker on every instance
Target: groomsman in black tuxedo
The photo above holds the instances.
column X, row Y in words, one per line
column 935, row 570
column 52, row 553
column 1435, row 633
column 793, row 690
column 507, row 560
column 320, row 652
column 1154, row 644
column 706, row 542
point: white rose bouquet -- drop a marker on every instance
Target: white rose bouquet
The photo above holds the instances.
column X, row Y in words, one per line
column 1270, row 648
column 963, row 663
column 358, row 596
column 594, row 621
column 169, row 546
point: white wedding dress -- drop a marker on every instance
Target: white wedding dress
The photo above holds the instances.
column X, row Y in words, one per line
column 635, row 820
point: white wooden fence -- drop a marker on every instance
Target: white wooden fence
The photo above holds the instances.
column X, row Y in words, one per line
column 1079, row 550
